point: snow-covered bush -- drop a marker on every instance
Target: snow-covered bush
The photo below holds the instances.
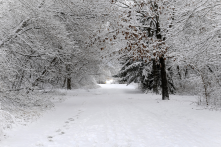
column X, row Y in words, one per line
column 6, row 121
column 25, row 105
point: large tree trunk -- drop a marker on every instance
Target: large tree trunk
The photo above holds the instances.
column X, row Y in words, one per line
column 69, row 83
column 164, row 83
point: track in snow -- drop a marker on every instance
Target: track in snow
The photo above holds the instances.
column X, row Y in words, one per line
column 120, row 116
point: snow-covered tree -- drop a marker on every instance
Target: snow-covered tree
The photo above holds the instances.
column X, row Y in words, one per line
column 195, row 40
column 142, row 29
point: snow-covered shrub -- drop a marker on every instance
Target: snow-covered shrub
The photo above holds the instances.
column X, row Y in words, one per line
column 210, row 90
column 25, row 107
column 6, row 121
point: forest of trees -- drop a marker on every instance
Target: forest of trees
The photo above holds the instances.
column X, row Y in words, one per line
column 167, row 46
column 172, row 46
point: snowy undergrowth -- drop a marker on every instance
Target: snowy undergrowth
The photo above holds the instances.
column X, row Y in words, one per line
column 21, row 108
column 6, row 121
column 212, row 101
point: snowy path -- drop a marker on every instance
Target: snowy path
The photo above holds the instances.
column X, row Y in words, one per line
column 120, row 116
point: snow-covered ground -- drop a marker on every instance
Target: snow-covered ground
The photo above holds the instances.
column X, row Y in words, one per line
column 120, row 116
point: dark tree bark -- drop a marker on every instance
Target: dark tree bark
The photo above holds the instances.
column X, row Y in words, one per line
column 68, row 69
column 164, row 82
column 178, row 70
column 69, row 83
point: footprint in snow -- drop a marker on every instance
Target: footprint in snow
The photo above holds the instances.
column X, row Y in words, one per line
column 59, row 130
column 50, row 138
column 62, row 133
column 71, row 119
column 67, row 122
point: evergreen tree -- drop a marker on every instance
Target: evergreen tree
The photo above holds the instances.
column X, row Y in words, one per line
column 144, row 73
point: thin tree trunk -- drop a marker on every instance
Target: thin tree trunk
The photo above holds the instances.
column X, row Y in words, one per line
column 164, row 82
column 206, row 90
column 68, row 69
column 69, row 83
column 155, row 77
column 64, row 82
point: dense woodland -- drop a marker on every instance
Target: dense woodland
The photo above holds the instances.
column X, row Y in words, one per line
column 167, row 46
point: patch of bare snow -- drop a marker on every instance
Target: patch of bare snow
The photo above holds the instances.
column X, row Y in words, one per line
column 120, row 116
